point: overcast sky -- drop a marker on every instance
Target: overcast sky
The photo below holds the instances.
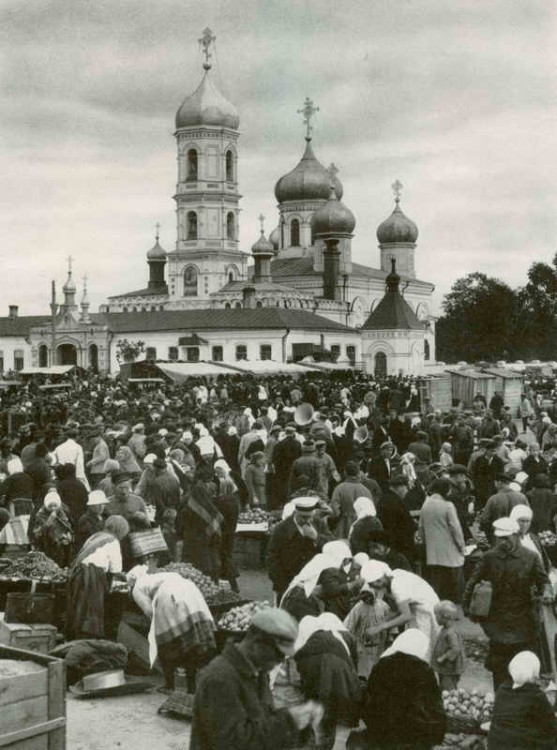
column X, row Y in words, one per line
column 456, row 98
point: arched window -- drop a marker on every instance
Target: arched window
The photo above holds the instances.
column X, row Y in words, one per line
column 190, row 281
column 192, row 165
column 295, row 233
column 380, row 370
column 226, row 307
column 259, row 303
column 427, row 350
column 191, row 225
column 238, row 305
column 230, row 226
column 124, row 309
column 43, row 355
column 153, row 308
column 94, row 357
column 229, row 165
column 351, row 354
column 230, row 277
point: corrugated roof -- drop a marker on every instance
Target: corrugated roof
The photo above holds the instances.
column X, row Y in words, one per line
column 21, row 325
column 270, row 318
column 393, row 313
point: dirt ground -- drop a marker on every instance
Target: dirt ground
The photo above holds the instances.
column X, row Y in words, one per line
column 131, row 722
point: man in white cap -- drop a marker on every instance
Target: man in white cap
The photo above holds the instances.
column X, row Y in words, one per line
column 513, row 571
column 293, row 543
column 233, row 707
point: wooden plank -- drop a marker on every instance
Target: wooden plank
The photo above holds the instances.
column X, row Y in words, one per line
column 44, row 728
column 33, row 743
column 25, row 713
column 57, row 703
column 15, row 689
column 17, row 653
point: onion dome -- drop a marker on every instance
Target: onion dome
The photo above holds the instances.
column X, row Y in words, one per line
column 70, row 285
column 333, row 218
column 262, row 246
column 274, row 239
column 207, row 106
column 310, row 180
column 156, row 252
column 397, row 228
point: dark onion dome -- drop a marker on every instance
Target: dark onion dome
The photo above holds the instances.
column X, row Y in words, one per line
column 70, row 285
column 262, row 246
column 397, row 228
column 207, row 106
column 333, row 217
column 310, row 180
column 156, row 252
column 274, row 239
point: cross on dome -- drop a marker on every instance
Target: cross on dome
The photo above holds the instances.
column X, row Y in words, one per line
column 70, row 261
column 308, row 110
column 207, row 38
column 157, row 231
column 262, row 223
column 397, row 190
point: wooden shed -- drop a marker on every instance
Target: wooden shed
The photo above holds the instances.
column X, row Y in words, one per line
column 438, row 389
column 510, row 384
column 467, row 382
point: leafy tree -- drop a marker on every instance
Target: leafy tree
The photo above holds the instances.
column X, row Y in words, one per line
column 479, row 320
column 537, row 324
column 129, row 351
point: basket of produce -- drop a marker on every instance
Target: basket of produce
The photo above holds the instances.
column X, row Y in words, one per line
column 462, row 741
column 467, row 710
column 34, row 566
column 215, row 594
column 236, row 621
column 144, row 543
column 253, row 516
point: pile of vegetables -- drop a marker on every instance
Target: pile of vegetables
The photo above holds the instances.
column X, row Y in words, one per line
column 476, row 650
column 547, row 539
column 471, row 705
column 462, row 741
column 213, row 593
column 37, row 566
column 253, row 515
column 238, row 619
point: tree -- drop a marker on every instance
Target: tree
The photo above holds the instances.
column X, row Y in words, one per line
column 129, row 351
column 479, row 320
column 538, row 306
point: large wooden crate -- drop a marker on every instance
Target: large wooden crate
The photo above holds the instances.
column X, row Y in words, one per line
column 33, row 706
column 27, row 637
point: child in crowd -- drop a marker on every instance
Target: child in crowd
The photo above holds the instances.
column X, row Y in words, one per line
column 368, row 612
column 448, row 652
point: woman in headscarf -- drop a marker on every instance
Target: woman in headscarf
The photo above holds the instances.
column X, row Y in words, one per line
column 407, row 467
column 255, row 480
column 52, row 531
column 446, row 455
column 228, row 505
column 91, row 522
column 89, row 580
column 200, row 523
column 182, row 627
column 403, row 708
column 326, row 658
column 409, row 596
column 325, row 584
column 523, row 515
column 111, row 467
column 365, row 524
column 522, row 717
column 127, row 462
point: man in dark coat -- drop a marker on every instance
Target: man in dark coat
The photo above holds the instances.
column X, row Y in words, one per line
column 396, row 519
column 285, row 453
column 514, row 572
column 293, row 543
column 380, row 468
column 72, row 491
column 484, row 471
column 459, row 495
column 233, row 707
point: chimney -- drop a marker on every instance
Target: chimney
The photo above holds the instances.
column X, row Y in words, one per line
column 331, row 269
column 13, row 312
column 248, row 297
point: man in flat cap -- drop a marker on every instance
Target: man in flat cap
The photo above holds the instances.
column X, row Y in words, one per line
column 294, row 541
column 285, row 453
column 233, row 707
column 501, row 503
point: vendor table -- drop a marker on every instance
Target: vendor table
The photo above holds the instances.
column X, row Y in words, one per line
column 250, row 549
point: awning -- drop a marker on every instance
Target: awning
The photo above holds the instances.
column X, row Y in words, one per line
column 181, row 371
column 54, row 386
column 193, row 340
column 264, row 366
column 327, row 366
column 156, row 381
column 54, row 370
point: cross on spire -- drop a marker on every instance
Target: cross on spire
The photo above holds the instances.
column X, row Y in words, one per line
column 262, row 223
column 308, row 110
column 333, row 170
column 85, row 280
column 70, row 261
column 157, row 231
column 207, row 38
column 397, row 190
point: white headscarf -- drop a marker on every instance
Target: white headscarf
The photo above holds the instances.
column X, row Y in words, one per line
column 310, row 625
column 333, row 555
column 221, row 464
column 407, row 466
column 337, row 551
column 374, row 570
column 52, row 498
column 14, row 466
column 523, row 668
column 411, row 642
column 288, row 509
column 521, row 511
column 363, row 508
column 361, row 558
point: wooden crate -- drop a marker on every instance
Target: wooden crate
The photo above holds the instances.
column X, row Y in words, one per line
column 33, row 706
column 40, row 638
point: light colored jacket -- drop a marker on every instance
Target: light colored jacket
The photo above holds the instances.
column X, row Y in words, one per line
column 442, row 533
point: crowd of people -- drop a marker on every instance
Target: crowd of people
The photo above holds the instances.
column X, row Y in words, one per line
column 379, row 502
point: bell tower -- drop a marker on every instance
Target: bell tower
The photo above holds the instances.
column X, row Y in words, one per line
column 207, row 254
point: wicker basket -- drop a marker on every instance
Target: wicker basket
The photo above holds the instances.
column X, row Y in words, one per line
column 145, row 543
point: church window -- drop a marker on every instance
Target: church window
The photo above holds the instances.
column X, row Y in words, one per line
column 259, row 303
column 230, row 277
column 427, row 350
column 238, row 305
column 265, row 351
column 335, row 352
column 351, row 354
column 380, row 369
column 241, row 352
column 230, row 226
column 191, row 225
column 192, row 354
column 94, row 357
column 18, row 360
column 173, row 353
column 229, row 166
column 153, row 308
column 43, row 355
column 295, row 233
column 217, row 354
column 190, row 281
column 161, row 308
column 124, row 309
column 227, row 305
column 192, row 165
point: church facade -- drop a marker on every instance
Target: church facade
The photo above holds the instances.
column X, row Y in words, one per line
column 303, row 269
